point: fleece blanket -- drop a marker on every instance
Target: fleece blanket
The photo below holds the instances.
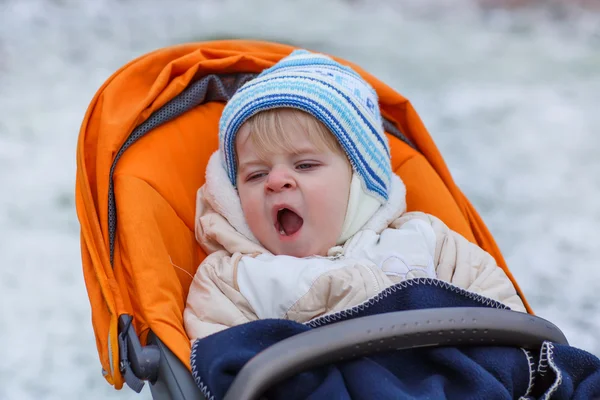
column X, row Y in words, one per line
column 478, row 372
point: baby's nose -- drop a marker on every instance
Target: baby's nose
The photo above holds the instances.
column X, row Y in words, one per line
column 279, row 179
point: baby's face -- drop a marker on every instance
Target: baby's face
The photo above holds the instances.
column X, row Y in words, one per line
column 295, row 204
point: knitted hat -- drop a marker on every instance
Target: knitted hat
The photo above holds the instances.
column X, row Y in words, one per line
column 335, row 95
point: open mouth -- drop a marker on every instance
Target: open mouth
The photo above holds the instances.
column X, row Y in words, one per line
column 288, row 222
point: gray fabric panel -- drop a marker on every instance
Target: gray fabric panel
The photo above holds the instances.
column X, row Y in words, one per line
column 391, row 128
column 209, row 88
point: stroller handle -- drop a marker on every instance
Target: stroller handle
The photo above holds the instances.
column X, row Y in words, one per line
column 386, row 332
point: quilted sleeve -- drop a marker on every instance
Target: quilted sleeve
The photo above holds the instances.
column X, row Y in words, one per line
column 466, row 265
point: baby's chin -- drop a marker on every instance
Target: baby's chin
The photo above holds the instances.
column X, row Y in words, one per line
column 299, row 252
column 301, row 247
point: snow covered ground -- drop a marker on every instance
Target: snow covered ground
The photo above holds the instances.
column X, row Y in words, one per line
column 511, row 97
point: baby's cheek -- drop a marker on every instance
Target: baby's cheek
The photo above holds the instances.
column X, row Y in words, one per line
column 331, row 210
column 251, row 211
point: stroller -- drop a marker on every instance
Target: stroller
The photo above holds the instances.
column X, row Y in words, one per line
column 143, row 147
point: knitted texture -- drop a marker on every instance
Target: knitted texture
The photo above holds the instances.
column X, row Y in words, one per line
column 334, row 94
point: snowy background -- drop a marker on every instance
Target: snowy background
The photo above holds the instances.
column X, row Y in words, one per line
column 511, row 95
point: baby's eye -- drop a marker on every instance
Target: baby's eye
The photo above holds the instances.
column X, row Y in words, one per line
column 306, row 165
column 255, row 176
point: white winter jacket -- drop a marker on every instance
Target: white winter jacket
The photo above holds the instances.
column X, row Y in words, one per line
column 241, row 281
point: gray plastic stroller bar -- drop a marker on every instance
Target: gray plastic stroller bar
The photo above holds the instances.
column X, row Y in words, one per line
column 387, row 332
column 174, row 381
column 138, row 363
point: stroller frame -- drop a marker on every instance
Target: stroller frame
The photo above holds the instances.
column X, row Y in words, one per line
column 170, row 379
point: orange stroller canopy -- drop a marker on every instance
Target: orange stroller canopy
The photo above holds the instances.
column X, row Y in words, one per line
column 137, row 181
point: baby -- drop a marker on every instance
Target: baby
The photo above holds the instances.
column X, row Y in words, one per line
column 301, row 214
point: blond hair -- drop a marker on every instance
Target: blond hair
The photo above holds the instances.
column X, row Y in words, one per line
column 268, row 135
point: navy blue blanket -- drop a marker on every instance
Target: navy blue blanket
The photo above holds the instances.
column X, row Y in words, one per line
column 557, row 371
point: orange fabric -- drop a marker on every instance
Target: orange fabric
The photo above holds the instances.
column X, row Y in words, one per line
column 156, row 181
column 425, row 191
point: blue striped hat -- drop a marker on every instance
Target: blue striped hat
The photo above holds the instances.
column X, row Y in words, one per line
column 335, row 95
